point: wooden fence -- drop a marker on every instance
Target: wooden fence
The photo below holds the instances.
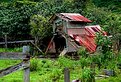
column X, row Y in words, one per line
column 25, row 65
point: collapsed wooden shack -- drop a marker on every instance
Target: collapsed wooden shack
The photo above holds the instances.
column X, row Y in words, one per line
column 71, row 32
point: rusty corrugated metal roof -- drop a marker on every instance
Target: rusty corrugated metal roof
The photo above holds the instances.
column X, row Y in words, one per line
column 70, row 17
column 73, row 17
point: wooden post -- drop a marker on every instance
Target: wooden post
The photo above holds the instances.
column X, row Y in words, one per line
column 6, row 41
column 66, row 75
column 26, row 64
column 27, row 71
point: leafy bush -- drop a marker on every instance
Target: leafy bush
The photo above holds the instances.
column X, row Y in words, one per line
column 96, row 59
column 104, row 42
column 34, row 64
column 82, row 52
column 84, row 62
column 87, row 75
column 65, row 62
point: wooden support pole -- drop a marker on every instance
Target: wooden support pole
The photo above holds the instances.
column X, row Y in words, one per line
column 27, row 74
column 66, row 75
column 26, row 66
column 37, row 47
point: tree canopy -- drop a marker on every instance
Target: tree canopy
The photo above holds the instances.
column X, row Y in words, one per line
column 16, row 15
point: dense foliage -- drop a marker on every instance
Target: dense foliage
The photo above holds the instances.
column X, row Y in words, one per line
column 16, row 16
column 14, row 19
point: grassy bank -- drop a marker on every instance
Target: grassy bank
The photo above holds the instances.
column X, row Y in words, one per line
column 47, row 70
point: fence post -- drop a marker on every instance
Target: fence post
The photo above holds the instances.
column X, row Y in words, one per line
column 26, row 70
column 66, row 75
column 26, row 50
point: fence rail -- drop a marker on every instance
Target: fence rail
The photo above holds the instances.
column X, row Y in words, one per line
column 25, row 64
column 14, row 68
column 12, row 42
column 12, row 55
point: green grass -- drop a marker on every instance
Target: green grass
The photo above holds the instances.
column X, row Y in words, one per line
column 7, row 63
column 44, row 70
column 11, row 49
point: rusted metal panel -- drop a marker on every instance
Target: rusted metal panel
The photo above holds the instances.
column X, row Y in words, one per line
column 76, row 31
column 70, row 17
column 75, row 17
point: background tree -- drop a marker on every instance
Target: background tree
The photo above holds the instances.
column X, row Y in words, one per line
column 14, row 19
column 39, row 28
column 114, row 24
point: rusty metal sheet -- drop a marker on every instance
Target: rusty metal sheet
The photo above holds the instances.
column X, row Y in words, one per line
column 75, row 17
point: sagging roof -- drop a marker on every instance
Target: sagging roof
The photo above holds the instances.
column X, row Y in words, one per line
column 71, row 17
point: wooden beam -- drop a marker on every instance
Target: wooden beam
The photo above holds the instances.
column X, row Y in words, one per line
column 63, row 52
column 12, row 42
column 37, row 48
column 13, row 55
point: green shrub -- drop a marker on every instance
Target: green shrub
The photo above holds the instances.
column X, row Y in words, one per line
column 82, row 51
column 84, row 62
column 87, row 75
column 34, row 64
column 96, row 59
column 65, row 62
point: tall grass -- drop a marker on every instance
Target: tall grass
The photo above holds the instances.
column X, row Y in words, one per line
column 6, row 63
column 34, row 64
column 11, row 49
column 47, row 70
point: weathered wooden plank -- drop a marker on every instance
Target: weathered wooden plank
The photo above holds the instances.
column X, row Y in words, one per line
column 37, row 48
column 12, row 42
column 27, row 72
column 63, row 52
column 6, row 71
column 66, row 75
column 13, row 55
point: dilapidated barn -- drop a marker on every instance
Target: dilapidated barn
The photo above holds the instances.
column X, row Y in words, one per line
column 71, row 32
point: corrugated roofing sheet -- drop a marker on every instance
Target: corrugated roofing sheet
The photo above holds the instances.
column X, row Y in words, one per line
column 73, row 17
